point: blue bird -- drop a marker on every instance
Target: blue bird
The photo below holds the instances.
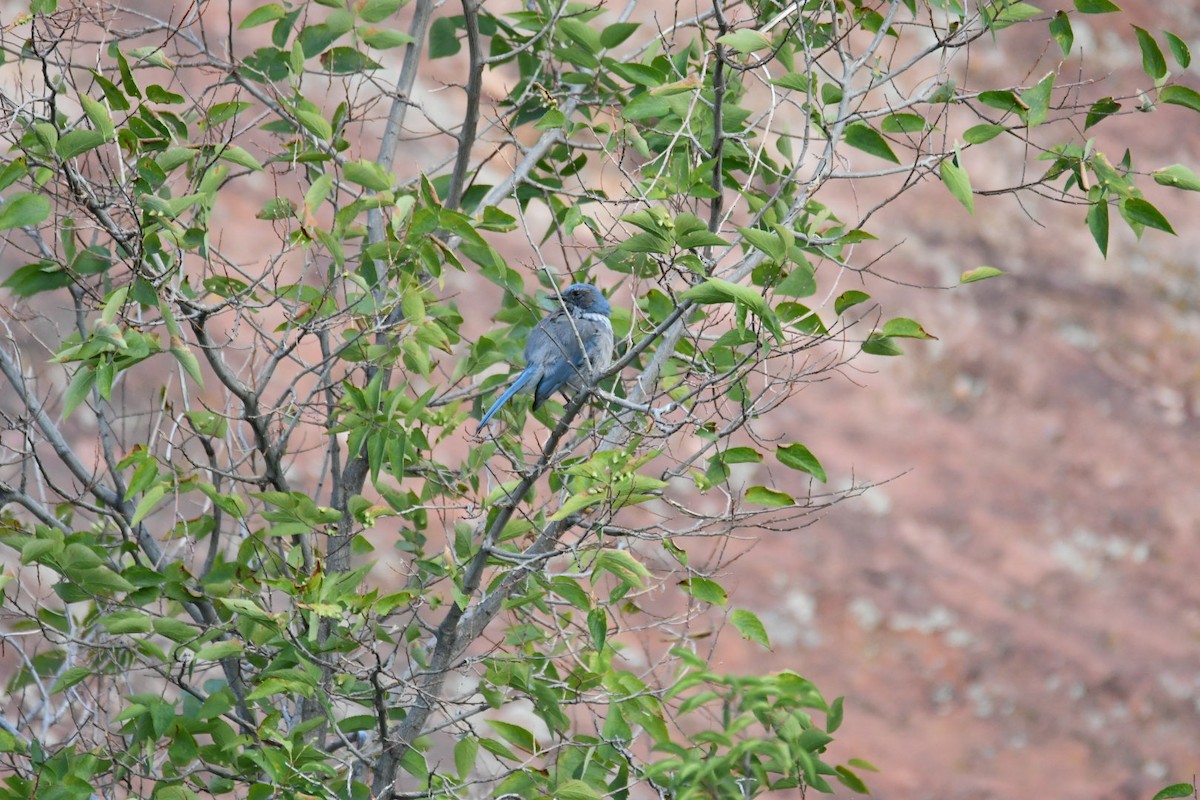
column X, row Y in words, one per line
column 569, row 348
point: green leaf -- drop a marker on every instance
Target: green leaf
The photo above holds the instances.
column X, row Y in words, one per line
column 1097, row 220
column 850, row 780
column 1154, row 64
column 879, row 345
column 236, row 155
column 262, row 15
column 1060, row 29
column 903, row 123
column 466, row 750
column 81, row 384
column 377, row 10
column 905, row 328
column 766, row 241
column 646, row 106
column 833, row 717
column 741, row 455
column 1179, row 177
column 616, row 33
column 1002, row 100
column 1175, row 790
column 1037, row 100
column 769, row 497
column 315, row 39
column 103, row 579
column 175, row 630
column 979, row 274
column 582, row 34
column 1139, row 211
column 148, row 502
column 700, row 238
column 384, row 38
column 1096, row 6
column 1010, row 13
column 798, row 457
column 849, row 299
column 315, row 123
column 23, row 210
column 70, row 677
column 745, row 40
column 1180, row 96
column 1179, row 50
column 705, row 590
column 621, row 565
column 216, row 651
column 862, row 136
column 515, row 735
column 750, row 627
column 978, row 134
column 1102, row 108
column 443, row 38
column 347, row 61
column 715, row 290
column 792, row 80
column 597, row 623
column 157, row 94
column 98, row 114
column 78, row 142
column 369, row 174
column 576, row 790
column 126, row 622
column 958, row 182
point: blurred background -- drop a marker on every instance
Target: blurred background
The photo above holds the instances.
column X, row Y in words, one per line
column 1013, row 610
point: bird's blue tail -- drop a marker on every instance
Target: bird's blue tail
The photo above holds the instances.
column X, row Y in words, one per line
column 517, row 386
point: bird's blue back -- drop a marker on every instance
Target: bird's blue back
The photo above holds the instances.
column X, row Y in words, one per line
column 567, row 349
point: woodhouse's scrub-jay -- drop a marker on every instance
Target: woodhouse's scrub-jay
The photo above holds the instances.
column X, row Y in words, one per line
column 570, row 347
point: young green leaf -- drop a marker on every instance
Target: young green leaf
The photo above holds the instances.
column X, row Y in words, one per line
column 23, row 210
column 1037, row 100
column 1180, row 96
column 706, row 590
column 903, row 123
column 769, row 497
column 979, row 274
column 1153, row 62
column 616, row 33
column 879, row 345
column 1060, row 29
column 1179, row 50
column 443, row 38
column 750, row 627
column 849, row 299
column 745, row 40
column 1096, row 6
column 1104, row 107
column 262, row 15
column 1179, row 177
column 862, row 136
column 374, row 11
column 1141, row 212
column 905, row 328
column 368, row 174
column 1097, row 220
column 799, row 457
column 958, row 182
column 978, row 134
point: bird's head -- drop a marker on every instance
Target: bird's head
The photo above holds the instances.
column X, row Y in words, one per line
column 586, row 297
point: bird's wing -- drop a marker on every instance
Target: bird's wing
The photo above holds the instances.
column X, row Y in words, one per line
column 558, row 343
